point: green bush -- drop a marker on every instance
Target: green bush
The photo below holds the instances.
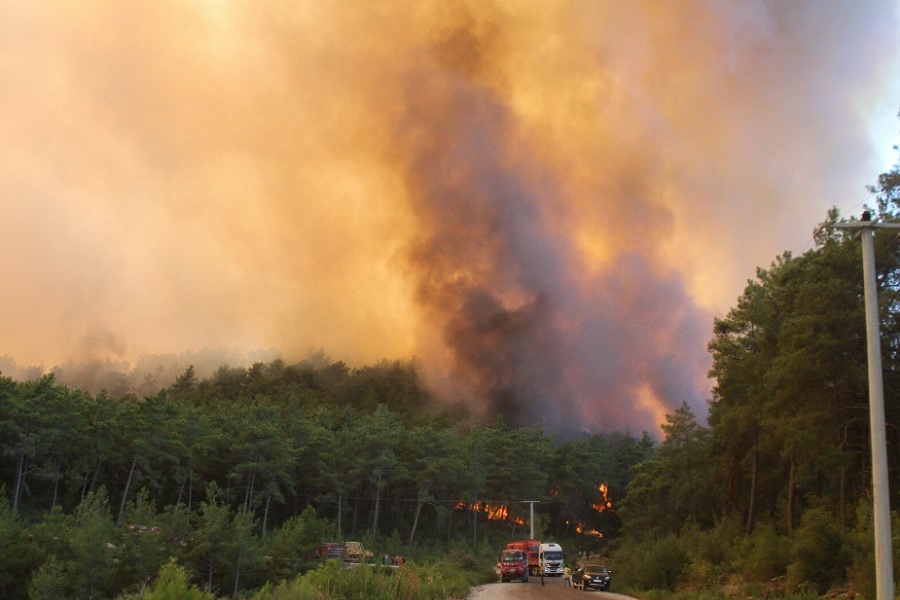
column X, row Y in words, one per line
column 819, row 555
column 174, row 584
column 49, row 582
column 767, row 554
column 651, row 565
column 333, row 581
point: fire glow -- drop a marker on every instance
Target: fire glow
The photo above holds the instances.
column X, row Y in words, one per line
column 580, row 528
column 526, row 196
column 494, row 512
column 603, row 502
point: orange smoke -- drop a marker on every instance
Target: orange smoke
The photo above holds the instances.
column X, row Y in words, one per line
column 546, row 202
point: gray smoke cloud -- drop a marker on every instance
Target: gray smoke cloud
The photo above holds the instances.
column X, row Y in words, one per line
column 545, row 203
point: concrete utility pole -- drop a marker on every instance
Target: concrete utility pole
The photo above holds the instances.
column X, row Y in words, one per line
column 531, row 504
column 884, row 564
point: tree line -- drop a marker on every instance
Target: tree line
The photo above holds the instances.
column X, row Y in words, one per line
column 778, row 485
column 218, row 471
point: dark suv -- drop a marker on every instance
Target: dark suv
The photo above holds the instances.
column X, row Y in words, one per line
column 590, row 576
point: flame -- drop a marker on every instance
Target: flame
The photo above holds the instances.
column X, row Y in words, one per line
column 582, row 529
column 494, row 512
column 603, row 503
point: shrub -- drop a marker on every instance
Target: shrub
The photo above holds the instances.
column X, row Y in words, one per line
column 652, row 564
column 332, row 581
column 173, row 584
column 767, row 556
column 819, row 554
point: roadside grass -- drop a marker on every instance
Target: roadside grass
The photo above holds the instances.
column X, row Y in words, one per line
column 714, row 594
column 450, row 578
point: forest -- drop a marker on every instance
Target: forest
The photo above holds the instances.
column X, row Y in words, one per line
column 242, row 476
column 239, row 477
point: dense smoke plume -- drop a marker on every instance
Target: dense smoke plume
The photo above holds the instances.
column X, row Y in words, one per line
column 545, row 202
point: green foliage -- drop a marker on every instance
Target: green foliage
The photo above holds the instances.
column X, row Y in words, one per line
column 861, row 546
column 677, row 487
column 439, row 581
column 764, row 555
column 15, row 551
column 50, row 582
column 292, row 549
column 651, row 564
column 819, row 555
column 94, row 548
column 173, row 583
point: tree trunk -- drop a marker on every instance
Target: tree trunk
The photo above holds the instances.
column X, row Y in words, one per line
column 412, row 534
column 125, row 493
column 377, row 505
column 20, row 479
column 94, row 478
column 248, row 495
column 266, row 512
column 792, row 474
column 56, row 482
column 751, row 510
column 691, row 488
column 340, row 510
column 474, row 527
column 209, row 581
column 237, row 575
column 842, row 499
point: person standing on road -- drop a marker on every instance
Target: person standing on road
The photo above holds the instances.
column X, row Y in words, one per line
column 542, row 574
column 567, row 576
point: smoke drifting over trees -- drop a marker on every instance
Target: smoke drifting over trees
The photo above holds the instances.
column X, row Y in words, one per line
column 545, row 203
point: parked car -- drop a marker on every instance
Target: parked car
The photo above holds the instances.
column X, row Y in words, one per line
column 331, row 550
column 592, row 575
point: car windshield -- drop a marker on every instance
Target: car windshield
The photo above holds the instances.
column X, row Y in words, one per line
column 595, row 569
column 553, row 555
column 511, row 556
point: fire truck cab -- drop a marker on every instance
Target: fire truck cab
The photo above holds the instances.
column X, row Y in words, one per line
column 551, row 559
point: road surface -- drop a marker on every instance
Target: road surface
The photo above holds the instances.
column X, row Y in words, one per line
column 554, row 589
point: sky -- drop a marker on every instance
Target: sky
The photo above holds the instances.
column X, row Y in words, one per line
column 544, row 203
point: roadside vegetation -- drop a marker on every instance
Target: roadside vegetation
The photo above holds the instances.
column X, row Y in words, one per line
column 440, row 581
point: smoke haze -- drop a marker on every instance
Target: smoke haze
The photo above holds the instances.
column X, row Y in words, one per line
column 545, row 202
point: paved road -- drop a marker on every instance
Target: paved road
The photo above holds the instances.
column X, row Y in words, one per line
column 552, row 590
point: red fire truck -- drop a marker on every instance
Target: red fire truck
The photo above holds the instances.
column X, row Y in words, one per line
column 513, row 565
column 532, row 549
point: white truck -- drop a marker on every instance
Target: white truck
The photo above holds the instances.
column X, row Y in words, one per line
column 551, row 559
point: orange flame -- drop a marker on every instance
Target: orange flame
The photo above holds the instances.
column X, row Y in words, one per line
column 580, row 528
column 495, row 512
column 603, row 503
